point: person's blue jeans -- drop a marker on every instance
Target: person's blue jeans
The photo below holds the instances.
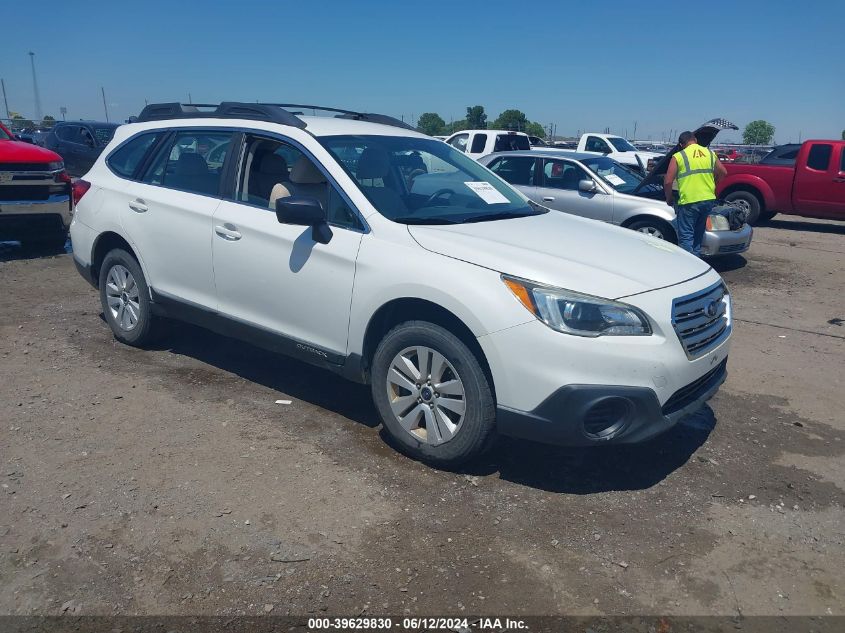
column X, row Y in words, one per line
column 692, row 220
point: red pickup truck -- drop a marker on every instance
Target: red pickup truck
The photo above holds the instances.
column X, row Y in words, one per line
column 813, row 187
column 35, row 194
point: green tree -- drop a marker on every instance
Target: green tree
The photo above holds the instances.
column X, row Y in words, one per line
column 455, row 126
column 476, row 119
column 48, row 121
column 431, row 123
column 511, row 120
column 535, row 129
column 758, row 132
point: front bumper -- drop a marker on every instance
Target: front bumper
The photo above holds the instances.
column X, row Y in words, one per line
column 549, row 385
column 22, row 219
column 583, row 415
column 717, row 243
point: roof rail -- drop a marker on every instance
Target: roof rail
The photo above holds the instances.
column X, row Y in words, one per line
column 225, row 110
column 370, row 117
column 273, row 112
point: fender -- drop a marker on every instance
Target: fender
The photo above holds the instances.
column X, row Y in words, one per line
column 752, row 182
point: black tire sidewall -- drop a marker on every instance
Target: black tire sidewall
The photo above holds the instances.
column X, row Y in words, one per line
column 142, row 332
column 478, row 427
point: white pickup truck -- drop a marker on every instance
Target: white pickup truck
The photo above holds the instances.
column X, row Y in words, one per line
column 478, row 143
column 616, row 148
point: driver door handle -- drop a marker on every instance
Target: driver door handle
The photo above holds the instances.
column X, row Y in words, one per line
column 228, row 232
column 549, row 199
column 138, row 206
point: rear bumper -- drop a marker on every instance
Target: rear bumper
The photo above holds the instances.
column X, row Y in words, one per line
column 23, row 219
column 583, row 415
column 717, row 243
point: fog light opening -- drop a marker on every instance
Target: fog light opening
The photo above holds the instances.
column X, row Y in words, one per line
column 607, row 417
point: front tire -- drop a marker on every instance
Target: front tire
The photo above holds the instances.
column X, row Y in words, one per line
column 432, row 394
column 125, row 298
column 749, row 203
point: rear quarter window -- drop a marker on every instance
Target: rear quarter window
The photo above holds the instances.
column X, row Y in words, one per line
column 126, row 158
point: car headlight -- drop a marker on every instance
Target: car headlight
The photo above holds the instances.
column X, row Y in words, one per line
column 718, row 222
column 579, row 314
column 56, row 164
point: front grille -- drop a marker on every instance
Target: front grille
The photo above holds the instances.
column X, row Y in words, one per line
column 702, row 320
column 29, row 192
column 732, row 248
column 693, row 391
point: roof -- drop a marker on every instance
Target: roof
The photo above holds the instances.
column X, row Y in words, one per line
column 317, row 126
column 550, row 152
column 489, row 132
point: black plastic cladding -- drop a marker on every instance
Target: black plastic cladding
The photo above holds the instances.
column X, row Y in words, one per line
column 273, row 112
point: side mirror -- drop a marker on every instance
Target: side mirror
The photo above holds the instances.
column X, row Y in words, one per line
column 303, row 211
column 588, row 185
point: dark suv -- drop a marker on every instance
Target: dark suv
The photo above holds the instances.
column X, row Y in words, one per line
column 79, row 143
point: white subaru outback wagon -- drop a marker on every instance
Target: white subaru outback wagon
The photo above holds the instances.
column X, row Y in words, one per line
column 360, row 245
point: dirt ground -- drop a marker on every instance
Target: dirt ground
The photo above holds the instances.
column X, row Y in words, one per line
column 168, row 481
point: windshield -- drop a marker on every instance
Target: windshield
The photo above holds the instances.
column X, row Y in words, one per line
column 424, row 181
column 613, row 173
column 104, row 134
column 621, row 144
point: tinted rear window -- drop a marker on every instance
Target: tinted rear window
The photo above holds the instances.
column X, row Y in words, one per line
column 511, row 142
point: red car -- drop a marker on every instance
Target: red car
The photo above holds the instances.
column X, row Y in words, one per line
column 35, row 194
column 813, row 187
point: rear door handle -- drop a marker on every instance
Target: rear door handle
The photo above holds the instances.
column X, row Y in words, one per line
column 549, row 199
column 228, row 232
column 138, row 206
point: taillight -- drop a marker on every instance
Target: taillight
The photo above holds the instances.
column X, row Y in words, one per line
column 79, row 189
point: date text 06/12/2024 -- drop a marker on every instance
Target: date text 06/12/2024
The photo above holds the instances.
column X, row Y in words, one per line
column 415, row 623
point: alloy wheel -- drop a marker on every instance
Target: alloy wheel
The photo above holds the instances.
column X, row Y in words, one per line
column 426, row 394
column 653, row 231
column 123, row 298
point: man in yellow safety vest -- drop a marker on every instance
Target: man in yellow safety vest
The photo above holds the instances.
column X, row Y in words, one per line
column 697, row 170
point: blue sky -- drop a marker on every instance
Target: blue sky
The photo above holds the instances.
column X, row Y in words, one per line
column 580, row 65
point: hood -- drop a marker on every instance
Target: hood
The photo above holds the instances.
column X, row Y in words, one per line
column 704, row 134
column 19, row 152
column 566, row 251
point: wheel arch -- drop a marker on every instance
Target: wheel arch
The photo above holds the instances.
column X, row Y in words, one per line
column 404, row 309
column 652, row 217
column 105, row 242
column 759, row 190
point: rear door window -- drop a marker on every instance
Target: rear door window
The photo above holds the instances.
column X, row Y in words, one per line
column 478, row 143
column 193, row 162
column 517, row 170
column 819, row 157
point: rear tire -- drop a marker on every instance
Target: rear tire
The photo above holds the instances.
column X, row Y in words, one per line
column 432, row 394
column 125, row 299
column 656, row 228
column 765, row 216
column 750, row 203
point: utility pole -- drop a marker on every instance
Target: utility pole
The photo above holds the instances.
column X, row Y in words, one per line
column 635, row 130
column 63, row 112
column 5, row 101
column 38, row 114
column 190, row 99
column 105, row 106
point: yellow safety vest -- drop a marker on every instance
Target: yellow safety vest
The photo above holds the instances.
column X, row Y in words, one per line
column 696, row 181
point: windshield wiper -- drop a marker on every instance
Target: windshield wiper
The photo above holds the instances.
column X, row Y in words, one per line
column 504, row 215
column 412, row 219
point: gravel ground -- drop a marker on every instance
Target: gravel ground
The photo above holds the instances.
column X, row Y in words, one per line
column 168, row 481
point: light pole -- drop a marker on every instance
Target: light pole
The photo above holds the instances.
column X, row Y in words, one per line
column 38, row 114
